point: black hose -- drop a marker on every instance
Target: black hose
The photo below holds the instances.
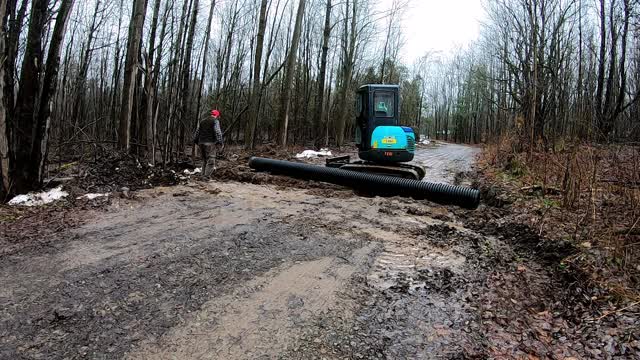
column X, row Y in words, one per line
column 377, row 184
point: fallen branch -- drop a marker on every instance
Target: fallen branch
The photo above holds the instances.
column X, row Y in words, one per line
column 607, row 313
column 632, row 230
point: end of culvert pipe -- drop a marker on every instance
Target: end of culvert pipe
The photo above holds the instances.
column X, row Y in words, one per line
column 372, row 183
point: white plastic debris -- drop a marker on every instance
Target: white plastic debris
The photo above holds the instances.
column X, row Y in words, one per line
column 41, row 198
column 195, row 171
column 92, row 196
column 426, row 142
column 307, row 154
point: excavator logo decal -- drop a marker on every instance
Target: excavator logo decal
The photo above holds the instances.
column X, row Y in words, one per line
column 389, row 140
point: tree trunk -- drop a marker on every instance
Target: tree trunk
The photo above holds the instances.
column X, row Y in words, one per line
column 84, row 66
column 607, row 116
column 152, row 112
column 11, row 48
column 149, row 84
column 386, row 47
column 534, row 82
column 116, row 69
column 601, row 65
column 5, row 183
column 320, row 112
column 256, row 93
column 186, row 70
column 40, row 147
column 623, row 58
column 288, row 80
column 130, row 72
column 205, row 54
column 420, row 102
column 27, row 100
column 348, row 63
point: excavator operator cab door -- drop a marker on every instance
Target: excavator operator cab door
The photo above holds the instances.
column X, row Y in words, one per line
column 376, row 105
column 361, row 118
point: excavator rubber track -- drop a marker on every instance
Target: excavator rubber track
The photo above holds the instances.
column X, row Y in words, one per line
column 404, row 171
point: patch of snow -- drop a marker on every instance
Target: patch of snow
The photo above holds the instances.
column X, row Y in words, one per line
column 426, row 142
column 307, row 154
column 195, row 171
column 93, row 196
column 41, row 198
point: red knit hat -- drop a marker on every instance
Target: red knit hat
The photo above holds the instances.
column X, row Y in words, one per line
column 215, row 113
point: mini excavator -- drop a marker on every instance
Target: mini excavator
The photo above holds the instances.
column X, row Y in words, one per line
column 384, row 147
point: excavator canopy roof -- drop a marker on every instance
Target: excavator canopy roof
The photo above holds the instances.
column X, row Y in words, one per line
column 369, row 87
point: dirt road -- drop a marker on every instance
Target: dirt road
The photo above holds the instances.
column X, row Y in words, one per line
column 444, row 161
column 241, row 271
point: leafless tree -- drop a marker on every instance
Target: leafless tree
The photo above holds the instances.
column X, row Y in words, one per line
column 131, row 71
column 288, row 80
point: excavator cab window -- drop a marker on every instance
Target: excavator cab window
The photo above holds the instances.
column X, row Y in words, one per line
column 384, row 102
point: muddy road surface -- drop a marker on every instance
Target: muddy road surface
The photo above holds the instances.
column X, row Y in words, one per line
column 229, row 270
column 444, row 161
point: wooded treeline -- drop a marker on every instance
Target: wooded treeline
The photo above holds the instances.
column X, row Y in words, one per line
column 137, row 75
column 546, row 71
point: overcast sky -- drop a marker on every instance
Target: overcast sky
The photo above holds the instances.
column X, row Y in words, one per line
column 440, row 25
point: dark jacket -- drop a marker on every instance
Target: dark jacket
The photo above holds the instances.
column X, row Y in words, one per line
column 208, row 132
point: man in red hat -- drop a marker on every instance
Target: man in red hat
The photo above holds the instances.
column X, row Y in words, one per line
column 208, row 137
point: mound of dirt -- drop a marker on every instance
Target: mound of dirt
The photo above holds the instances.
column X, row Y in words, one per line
column 116, row 170
column 234, row 167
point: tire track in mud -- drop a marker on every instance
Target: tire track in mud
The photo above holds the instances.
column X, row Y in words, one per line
column 416, row 299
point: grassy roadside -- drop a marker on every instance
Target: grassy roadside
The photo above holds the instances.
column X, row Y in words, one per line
column 584, row 195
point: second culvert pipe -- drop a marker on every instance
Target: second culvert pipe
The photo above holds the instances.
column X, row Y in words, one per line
column 377, row 184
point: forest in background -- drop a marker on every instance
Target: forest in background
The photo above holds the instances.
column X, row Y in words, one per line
column 77, row 77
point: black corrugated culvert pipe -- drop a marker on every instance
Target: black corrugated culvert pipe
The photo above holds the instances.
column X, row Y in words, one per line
column 376, row 184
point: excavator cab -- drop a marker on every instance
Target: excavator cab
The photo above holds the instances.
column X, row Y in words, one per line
column 379, row 136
